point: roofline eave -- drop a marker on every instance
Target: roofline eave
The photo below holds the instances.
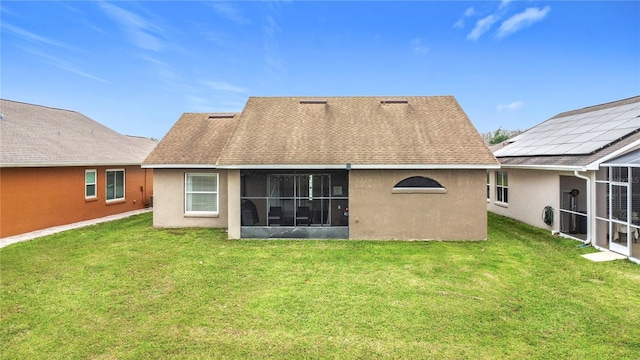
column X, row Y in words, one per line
column 326, row 166
column 546, row 167
column 65, row 164
column 180, row 166
column 350, row 166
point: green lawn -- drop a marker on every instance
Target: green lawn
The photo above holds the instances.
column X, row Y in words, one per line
column 124, row 290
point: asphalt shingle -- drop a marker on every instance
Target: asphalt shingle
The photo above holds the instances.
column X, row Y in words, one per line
column 34, row 135
column 367, row 130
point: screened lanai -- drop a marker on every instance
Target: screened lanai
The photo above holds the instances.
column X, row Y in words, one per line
column 294, row 204
column 618, row 205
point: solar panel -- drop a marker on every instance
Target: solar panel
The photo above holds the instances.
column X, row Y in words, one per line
column 576, row 134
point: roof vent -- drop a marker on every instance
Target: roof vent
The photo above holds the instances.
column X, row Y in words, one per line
column 221, row 116
column 313, row 101
column 394, row 100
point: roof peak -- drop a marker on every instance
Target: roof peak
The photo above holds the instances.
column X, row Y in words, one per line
column 605, row 105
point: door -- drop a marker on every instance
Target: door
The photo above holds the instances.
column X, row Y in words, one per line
column 620, row 234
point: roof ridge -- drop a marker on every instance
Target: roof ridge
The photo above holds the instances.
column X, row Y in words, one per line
column 43, row 106
column 346, row 96
column 605, row 105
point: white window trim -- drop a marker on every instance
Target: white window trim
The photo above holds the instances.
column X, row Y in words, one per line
column 94, row 183
column 488, row 186
column 217, row 192
column 498, row 201
column 124, row 186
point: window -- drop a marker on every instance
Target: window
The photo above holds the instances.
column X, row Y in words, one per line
column 418, row 185
column 89, row 184
column 502, row 190
column 201, row 194
column 488, row 185
column 115, row 185
column 418, row 182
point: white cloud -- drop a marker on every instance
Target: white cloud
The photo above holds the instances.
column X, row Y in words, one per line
column 159, row 68
column 35, row 38
column 230, row 12
column 510, row 107
column 460, row 23
column 503, row 4
column 522, row 20
column 482, row 26
column 64, row 65
column 469, row 12
column 272, row 57
column 142, row 33
column 223, row 86
column 418, row 47
column 218, row 38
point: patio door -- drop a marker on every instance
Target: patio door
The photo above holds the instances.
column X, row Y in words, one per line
column 620, row 231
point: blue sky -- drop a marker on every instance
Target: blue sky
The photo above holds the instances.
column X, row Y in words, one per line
column 137, row 66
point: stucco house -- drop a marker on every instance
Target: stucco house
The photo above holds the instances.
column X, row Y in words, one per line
column 331, row 167
column 576, row 174
column 59, row 167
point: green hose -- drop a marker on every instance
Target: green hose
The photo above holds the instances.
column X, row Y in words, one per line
column 547, row 215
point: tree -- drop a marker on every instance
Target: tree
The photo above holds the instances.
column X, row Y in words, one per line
column 499, row 135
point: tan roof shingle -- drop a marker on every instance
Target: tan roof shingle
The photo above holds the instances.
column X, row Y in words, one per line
column 366, row 130
column 195, row 139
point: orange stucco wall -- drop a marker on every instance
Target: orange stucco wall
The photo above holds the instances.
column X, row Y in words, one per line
column 37, row 198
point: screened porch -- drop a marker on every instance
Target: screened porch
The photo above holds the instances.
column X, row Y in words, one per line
column 618, row 205
column 294, row 204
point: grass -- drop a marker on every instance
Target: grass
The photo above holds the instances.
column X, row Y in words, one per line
column 124, row 290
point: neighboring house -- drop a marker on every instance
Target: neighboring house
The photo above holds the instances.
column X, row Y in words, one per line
column 577, row 174
column 331, row 167
column 58, row 167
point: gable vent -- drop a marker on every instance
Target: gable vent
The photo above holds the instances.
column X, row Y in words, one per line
column 393, row 101
column 221, row 116
column 313, row 101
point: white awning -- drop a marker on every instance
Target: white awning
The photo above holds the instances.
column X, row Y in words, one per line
column 629, row 159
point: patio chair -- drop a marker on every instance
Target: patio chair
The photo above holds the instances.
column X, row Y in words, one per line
column 303, row 215
column 275, row 215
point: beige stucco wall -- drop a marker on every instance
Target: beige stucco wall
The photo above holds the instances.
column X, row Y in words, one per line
column 168, row 200
column 233, row 201
column 377, row 213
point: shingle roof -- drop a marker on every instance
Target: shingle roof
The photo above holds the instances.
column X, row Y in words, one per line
column 195, row 139
column 304, row 131
column 34, row 135
column 602, row 113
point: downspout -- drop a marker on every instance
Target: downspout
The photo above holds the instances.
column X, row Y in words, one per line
column 588, row 179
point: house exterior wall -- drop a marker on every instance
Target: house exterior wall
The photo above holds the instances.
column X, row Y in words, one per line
column 530, row 191
column 168, row 200
column 33, row 198
column 375, row 212
column 234, row 211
